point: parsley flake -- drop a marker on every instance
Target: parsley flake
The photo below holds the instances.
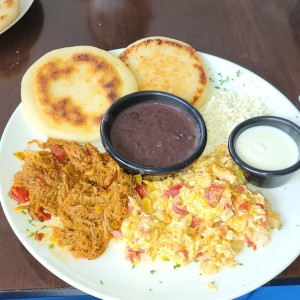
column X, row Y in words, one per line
column 51, row 246
column 177, row 266
column 31, row 222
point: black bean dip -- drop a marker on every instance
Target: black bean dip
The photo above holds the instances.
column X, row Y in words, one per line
column 154, row 134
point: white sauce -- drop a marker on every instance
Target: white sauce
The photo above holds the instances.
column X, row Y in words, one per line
column 267, row 148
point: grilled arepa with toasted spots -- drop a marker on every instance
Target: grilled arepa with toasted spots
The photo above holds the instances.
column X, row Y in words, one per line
column 66, row 92
column 169, row 65
column 9, row 10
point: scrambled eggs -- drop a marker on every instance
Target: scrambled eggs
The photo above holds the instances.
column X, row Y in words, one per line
column 206, row 214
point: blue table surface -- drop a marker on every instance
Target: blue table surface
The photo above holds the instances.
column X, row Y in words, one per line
column 275, row 292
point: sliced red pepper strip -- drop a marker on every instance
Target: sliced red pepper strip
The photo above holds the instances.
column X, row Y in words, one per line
column 245, row 206
column 179, row 208
column 59, row 152
column 39, row 236
column 141, row 190
column 213, row 194
column 45, row 216
column 173, row 191
column 251, row 243
column 19, row 194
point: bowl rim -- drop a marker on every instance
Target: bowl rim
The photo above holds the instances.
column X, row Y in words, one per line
column 261, row 121
column 141, row 96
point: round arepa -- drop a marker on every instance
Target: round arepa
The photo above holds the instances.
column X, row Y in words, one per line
column 9, row 10
column 66, row 92
column 165, row 64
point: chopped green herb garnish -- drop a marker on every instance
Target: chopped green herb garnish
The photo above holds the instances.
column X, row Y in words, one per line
column 238, row 73
column 196, row 260
column 222, row 81
column 101, row 282
column 177, row 266
column 23, row 212
column 45, row 226
column 32, row 233
column 217, row 87
column 51, row 246
column 279, row 226
column 240, row 264
column 152, row 271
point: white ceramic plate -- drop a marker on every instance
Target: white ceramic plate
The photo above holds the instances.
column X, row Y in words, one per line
column 112, row 277
column 24, row 6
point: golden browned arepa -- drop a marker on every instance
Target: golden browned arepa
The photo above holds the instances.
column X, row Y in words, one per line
column 66, row 92
column 169, row 65
column 9, row 10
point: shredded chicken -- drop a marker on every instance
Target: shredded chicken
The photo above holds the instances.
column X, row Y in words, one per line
column 87, row 190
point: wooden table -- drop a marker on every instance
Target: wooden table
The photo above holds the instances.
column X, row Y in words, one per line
column 262, row 36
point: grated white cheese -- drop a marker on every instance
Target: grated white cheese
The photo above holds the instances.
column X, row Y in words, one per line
column 224, row 111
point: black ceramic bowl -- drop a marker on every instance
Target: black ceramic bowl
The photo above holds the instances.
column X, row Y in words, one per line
column 259, row 177
column 162, row 98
